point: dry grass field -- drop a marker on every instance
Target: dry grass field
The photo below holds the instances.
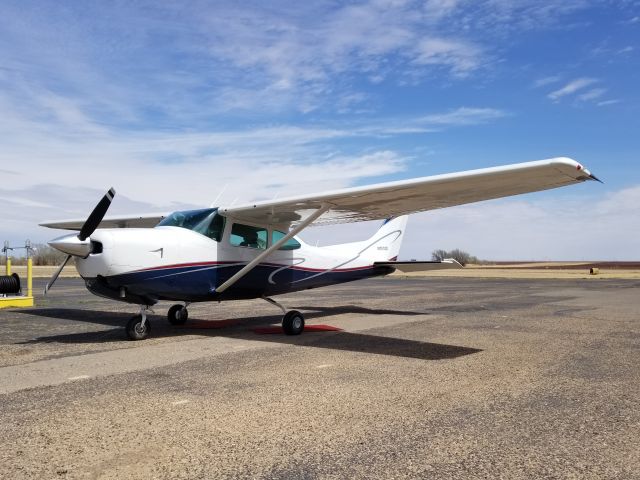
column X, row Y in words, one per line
column 43, row 272
column 551, row 270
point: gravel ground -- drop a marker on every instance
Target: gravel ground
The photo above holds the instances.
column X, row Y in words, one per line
column 431, row 378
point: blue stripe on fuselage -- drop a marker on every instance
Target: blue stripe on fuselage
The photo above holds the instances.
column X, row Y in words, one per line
column 197, row 282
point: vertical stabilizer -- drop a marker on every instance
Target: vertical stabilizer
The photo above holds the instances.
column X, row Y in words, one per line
column 385, row 244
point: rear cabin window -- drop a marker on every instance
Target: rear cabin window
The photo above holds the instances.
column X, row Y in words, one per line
column 291, row 244
column 248, row 236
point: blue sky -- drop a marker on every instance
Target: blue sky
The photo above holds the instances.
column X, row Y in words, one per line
column 170, row 103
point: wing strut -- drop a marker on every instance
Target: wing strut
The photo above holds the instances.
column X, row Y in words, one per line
column 253, row 263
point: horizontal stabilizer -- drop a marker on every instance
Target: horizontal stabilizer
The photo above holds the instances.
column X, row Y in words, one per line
column 407, row 267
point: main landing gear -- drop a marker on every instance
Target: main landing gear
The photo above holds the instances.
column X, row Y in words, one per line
column 292, row 320
column 178, row 314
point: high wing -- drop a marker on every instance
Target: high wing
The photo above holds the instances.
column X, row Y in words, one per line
column 384, row 200
column 131, row 221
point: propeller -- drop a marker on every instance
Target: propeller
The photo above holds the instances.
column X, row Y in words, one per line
column 54, row 277
column 97, row 215
column 75, row 244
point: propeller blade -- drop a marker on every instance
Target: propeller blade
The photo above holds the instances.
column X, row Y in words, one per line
column 97, row 215
column 55, row 275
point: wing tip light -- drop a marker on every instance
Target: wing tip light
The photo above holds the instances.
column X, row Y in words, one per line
column 580, row 168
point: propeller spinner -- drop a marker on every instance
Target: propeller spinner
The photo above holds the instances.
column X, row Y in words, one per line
column 78, row 245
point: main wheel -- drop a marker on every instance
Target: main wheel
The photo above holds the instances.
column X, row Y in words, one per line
column 135, row 329
column 293, row 322
column 178, row 315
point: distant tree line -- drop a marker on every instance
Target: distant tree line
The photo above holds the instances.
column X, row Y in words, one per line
column 42, row 254
column 460, row 256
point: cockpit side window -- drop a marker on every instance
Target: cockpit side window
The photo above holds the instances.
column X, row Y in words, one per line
column 212, row 227
column 206, row 222
column 248, row 236
column 188, row 219
column 291, row 244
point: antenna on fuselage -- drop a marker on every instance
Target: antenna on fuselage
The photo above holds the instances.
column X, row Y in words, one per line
column 215, row 202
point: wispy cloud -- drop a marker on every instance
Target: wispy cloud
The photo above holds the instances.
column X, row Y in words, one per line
column 604, row 103
column 463, row 116
column 571, row 88
column 177, row 64
column 592, row 94
column 436, row 10
column 541, row 82
column 459, row 56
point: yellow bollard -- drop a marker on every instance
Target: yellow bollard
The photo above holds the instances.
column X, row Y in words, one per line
column 8, row 266
column 29, row 277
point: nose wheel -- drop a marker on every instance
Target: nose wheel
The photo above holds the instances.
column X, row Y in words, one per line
column 139, row 327
column 178, row 315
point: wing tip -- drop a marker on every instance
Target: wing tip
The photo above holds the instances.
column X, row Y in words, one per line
column 570, row 162
column 594, row 178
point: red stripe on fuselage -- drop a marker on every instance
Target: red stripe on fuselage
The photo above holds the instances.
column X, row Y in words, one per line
column 277, row 265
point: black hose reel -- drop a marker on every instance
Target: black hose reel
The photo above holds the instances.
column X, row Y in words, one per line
column 10, row 284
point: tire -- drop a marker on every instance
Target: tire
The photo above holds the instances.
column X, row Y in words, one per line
column 178, row 315
column 135, row 330
column 293, row 322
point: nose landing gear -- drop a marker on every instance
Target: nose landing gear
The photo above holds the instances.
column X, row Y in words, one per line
column 139, row 327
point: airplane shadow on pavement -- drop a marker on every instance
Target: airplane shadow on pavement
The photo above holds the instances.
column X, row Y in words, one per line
column 241, row 328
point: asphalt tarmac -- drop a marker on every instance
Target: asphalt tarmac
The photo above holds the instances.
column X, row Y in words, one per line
column 430, row 378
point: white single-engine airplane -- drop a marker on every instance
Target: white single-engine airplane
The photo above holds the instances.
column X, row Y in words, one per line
column 251, row 251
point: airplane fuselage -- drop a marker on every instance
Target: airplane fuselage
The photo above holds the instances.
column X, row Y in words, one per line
column 172, row 263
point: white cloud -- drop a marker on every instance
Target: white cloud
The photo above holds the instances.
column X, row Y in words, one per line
column 438, row 9
column 608, row 102
column 185, row 64
column 464, row 116
column 571, row 87
column 290, row 58
column 541, row 82
column 460, row 56
column 592, row 94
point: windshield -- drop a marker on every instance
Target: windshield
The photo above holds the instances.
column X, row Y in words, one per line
column 205, row 221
